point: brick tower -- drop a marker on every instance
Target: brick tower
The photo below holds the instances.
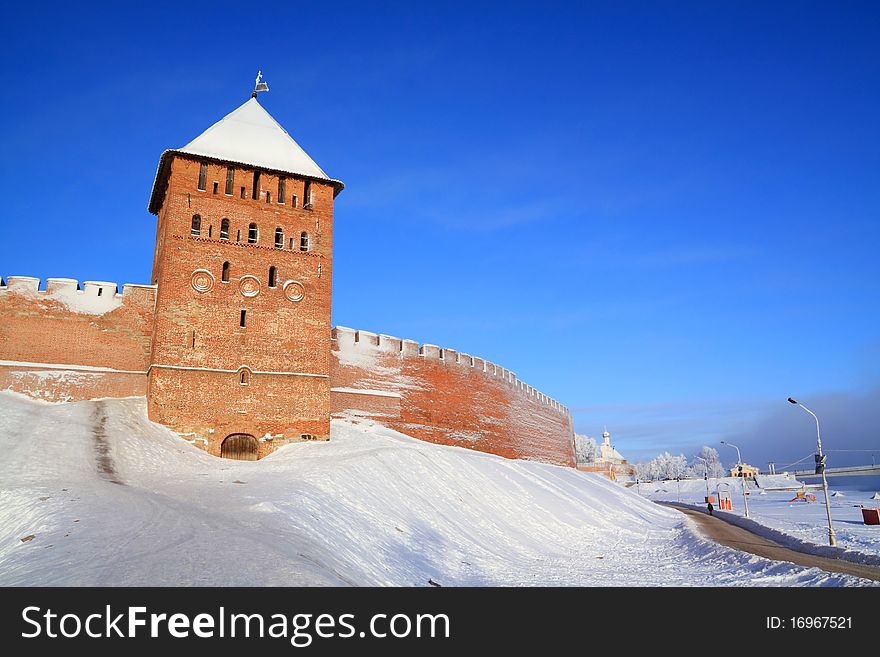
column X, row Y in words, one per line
column 243, row 263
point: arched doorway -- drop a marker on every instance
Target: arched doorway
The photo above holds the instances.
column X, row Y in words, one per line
column 239, row 446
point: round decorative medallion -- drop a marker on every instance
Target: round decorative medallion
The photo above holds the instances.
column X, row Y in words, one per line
column 202, row 280
column 294, row 290
column 249, row 286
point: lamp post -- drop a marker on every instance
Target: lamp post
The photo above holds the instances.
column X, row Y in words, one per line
column 705, row 474
column 820, row 463
column 739, row 462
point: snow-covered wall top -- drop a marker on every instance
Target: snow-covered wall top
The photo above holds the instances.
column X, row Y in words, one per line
column 68, row 324
column 356, row 348
column 93, row 298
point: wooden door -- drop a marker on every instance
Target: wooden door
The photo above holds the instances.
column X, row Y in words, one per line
column 239, row 446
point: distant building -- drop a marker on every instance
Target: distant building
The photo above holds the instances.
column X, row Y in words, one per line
column 744, row 470
column 607, row 453
column 609, row 462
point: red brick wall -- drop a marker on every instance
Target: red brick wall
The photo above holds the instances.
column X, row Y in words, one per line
column 452, row 400
column 69, row 385
column 64, row 326
column 610, row 470
column 283, row 339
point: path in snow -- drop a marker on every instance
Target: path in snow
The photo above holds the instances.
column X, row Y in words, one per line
column 738, row 538
column 369, row 507
column 797, row 524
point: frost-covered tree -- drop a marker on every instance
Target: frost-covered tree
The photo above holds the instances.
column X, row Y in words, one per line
column 586, row 449
column 664, row 466
column 643, row 470
column 707, row 461
column 670, row 467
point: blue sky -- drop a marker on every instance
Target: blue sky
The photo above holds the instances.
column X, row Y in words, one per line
column 665, row 215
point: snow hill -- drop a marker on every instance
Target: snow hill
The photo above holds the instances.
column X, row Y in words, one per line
column 92, row 493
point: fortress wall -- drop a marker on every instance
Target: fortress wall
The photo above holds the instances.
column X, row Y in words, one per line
column 69, row 342
column 67, row 385
column 446, row 397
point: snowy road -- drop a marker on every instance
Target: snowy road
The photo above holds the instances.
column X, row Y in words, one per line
column 799, row 523
column 738, row 538
column 112, row 499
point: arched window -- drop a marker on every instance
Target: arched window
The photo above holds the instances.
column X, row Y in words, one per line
column 224, row 229
column 243, row 376
column 273, row 275
column 225, row 274
column 196, row 225
column 279, row 238
column 304, row 241
column 252, row 234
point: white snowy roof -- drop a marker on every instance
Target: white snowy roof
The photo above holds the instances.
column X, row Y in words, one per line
column 250, row 136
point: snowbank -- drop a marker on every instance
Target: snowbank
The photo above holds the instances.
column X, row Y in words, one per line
column 112, row 499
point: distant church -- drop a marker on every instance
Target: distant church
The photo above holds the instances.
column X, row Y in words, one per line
column 608, row 461
column 231, row 342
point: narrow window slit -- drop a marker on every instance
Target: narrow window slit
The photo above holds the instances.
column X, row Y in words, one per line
column 255, row 194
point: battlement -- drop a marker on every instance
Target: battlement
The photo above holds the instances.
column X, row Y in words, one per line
column 372, row 343
column 93, row 297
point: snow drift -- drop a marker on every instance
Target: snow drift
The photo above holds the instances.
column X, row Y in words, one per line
column 92, row 493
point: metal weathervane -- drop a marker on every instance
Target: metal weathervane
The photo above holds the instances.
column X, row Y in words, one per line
column 259, row 85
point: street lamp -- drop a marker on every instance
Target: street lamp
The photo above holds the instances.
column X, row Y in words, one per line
column 739, row 462
column 820, row 463
column 705, row 474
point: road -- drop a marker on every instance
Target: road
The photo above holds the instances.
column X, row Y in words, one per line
column 741, row 539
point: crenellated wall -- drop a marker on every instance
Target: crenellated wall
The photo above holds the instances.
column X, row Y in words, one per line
column 69, row 342
column 447, row 397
